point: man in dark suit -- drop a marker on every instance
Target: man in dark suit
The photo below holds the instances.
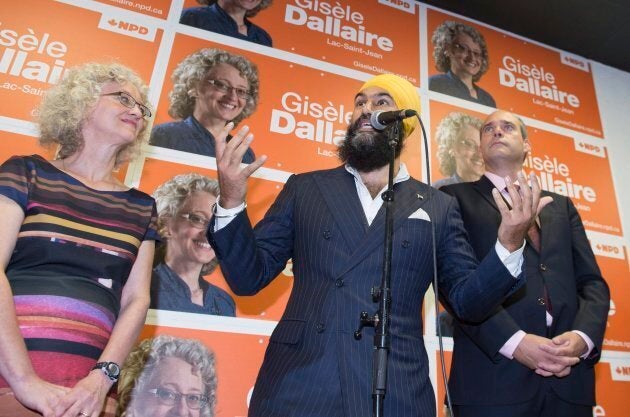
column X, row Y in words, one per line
column 504, row 366
column 331, row 223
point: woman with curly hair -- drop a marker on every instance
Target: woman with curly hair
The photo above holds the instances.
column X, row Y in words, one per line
column 461, row 53
column 184, row 206
column 230, row 18
column 211, row 87
column 458, row 153
column 168, row 376
column 76, row 250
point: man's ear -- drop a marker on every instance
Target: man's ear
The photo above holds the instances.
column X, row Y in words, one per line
column 527, row 147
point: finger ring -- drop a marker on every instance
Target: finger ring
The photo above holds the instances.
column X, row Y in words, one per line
column 81, row 413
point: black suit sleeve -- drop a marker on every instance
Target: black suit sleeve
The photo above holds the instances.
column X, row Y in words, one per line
column 593, row 292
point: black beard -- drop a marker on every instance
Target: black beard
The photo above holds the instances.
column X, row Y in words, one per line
column 369, row 150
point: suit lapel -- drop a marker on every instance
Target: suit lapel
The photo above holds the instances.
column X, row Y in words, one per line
column 484, row 187
column 340, row 193
column 407, row 199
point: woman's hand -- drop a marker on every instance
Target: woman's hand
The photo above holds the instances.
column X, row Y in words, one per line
column 39, row 395
column 87, row 398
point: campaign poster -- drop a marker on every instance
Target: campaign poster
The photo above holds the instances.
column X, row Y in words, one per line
column 270, row 302
column 612, row 258
column 39, row 42
column 559, row 162
column 373, row 36
column 532, row 80
column 612, row 384
column 300, row 121
column 237, row 356
column 455, row 143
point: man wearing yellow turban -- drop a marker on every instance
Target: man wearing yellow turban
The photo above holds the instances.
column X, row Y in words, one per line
column 331, row 224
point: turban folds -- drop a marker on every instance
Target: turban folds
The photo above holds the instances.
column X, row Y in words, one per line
column 403, row 93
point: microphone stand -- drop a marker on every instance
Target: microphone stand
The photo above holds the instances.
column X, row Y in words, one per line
column 381, row 320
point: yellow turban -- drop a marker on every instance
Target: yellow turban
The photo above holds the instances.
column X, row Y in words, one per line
column 403, row 93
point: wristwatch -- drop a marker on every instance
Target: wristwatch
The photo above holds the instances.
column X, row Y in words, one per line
column 110, row 369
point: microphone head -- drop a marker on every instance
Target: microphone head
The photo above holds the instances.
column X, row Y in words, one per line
column 376, row 124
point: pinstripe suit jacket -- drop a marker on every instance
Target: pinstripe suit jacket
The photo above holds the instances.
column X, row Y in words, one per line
column 580, row 298
column 313, row 366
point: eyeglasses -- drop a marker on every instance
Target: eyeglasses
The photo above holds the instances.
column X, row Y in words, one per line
column 226, row 88
column 168, row 397
column 468, row 144
column 126, row 100
column 199, row 222
column 463, row 49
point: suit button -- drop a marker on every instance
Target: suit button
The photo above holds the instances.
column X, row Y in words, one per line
column 326, row 234
column 541, row 301
column 543, row 267
column 405, row 243
column 339, row 283
column 320, row 328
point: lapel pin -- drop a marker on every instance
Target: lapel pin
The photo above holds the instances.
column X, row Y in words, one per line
column 419, row 196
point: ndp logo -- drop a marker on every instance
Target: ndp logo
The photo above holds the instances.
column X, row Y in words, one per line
column 118, row 24
column 620, row 369
column 130, row 27
column 404, row 5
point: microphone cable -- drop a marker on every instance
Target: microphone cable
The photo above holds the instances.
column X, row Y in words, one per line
column 435, row 276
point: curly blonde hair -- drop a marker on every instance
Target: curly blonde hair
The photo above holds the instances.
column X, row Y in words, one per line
column 250, row 13
column 191, row 72
column 66, row 107
column 447, row 134
column 171, row 196
column 138, row 369
column 443, row 39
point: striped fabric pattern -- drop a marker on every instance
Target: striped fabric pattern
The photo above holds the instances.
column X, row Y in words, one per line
column 73, row 254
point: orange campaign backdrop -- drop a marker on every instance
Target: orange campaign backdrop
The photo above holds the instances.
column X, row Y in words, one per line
column 36, row 49
column 532, row 80
column 300, row 121
column 365, row 35
column 15, row 144
column 614, row 267
column 308, row 83
column 269, row 303
column 238, row 358
column 612, row 384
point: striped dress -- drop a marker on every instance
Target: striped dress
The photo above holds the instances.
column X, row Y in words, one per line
column 72, row 257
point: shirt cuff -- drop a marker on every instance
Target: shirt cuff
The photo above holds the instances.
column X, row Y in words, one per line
column 589, row 343
column 510, row 346
column 512, row 261
column 225, row 216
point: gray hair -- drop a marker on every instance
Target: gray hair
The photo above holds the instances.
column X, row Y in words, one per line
column 443, row 38
column 171, row 196
column 195, row 67
column 66, row 107
column 446, row 136
column 147, row 356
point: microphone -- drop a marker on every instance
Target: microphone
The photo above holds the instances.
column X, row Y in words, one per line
column 380, row 119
